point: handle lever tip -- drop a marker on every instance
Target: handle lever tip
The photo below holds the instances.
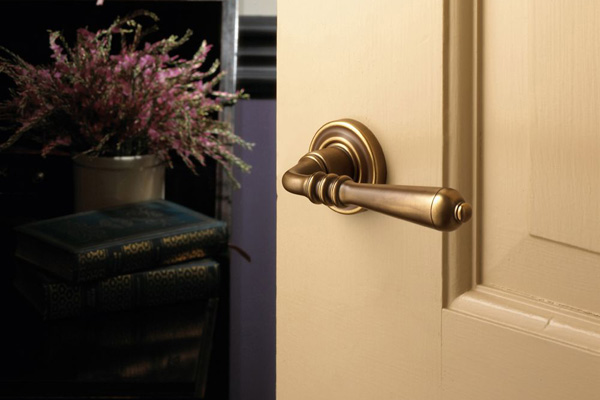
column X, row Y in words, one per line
column 463, row 212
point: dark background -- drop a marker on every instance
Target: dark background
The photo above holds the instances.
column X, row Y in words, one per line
column 35, row 188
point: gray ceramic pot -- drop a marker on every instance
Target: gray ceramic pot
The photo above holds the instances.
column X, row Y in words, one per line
column 101, row 182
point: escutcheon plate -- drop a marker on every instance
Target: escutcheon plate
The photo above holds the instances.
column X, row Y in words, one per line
column 362, row 147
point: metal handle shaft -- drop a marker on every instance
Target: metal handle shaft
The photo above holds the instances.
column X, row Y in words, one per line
column 326, row 177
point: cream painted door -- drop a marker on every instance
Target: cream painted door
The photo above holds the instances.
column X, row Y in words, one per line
column 499, row 99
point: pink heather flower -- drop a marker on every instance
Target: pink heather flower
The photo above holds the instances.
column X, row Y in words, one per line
column 153, row 134
column 140, row 99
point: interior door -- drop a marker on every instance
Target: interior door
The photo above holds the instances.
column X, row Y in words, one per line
column 522, row 316
column 498, row 99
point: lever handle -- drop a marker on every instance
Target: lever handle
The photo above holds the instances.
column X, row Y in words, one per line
column 346, row 171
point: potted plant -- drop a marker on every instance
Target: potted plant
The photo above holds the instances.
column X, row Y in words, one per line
column 114, row 103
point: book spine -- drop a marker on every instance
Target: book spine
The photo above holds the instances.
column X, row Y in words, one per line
column 193, row 281
column 145, row 326
column 137, row 255
column 158, row 363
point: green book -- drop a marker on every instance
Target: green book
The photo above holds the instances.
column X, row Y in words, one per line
column 168, row 344
column 179, row 283
column 98, row 244
column 147, row 326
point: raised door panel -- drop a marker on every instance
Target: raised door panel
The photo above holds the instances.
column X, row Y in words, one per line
column 540, row 168
column 483, row 360
column 526, row 324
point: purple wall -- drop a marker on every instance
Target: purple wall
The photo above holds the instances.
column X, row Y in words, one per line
column 252, row 319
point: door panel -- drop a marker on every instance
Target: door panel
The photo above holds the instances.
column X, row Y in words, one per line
column 540, row 98
column 565, row 135
column 529, row 327
column 495, row 363
column 353, row 291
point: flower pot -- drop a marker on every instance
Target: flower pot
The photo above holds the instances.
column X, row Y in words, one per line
column 101, row 182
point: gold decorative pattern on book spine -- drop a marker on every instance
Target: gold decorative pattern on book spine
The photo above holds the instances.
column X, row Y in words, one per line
column 137, row 248
column 186, row 238
column 116, row 294
column 185, row 256
column 92, row 256
column 136, row 256
column 91, row 265
column 172, row 285
column 62, row 301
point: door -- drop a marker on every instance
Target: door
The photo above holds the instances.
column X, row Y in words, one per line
column 496, row 98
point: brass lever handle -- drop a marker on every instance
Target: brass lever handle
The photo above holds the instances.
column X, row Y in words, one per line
column 345, row 170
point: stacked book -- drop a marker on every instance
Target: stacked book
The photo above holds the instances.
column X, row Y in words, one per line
column 128, row 294
column 138, row 255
